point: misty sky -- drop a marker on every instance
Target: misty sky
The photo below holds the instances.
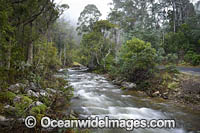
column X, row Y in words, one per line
column 77, row 6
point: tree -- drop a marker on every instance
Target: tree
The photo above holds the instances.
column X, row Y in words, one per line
column 87, row 18
column 136, row 60
column 96, row 47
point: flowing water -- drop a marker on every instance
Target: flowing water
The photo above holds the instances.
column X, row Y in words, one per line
column 96, row 96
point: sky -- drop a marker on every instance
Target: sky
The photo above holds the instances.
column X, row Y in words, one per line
column 77, row 6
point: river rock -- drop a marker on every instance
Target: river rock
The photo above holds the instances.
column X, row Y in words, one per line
column 165, row 95
column 32, row 93
column 128, row 85
column 155, row 94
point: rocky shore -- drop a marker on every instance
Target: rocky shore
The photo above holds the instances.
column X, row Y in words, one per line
column 23, row 99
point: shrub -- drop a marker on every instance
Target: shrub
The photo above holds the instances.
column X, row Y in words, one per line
column 192, row 58
column 173, row 58
column 137, row 60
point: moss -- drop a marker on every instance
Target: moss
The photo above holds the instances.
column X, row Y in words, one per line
column 40, row 109
column 7, row 96
column 1, row 108
column 166, row 76
column 172, row 85
column 123, row 88
column 45, row 100
column 23, row 105
column 76, row 64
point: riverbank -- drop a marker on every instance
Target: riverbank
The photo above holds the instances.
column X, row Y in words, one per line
column 178, row 88
column 51, row 97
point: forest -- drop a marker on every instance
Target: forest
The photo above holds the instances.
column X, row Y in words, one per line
column 130, row 45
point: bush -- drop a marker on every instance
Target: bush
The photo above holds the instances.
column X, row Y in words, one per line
column 172, row 58
column 137, row 60
column 192, row 58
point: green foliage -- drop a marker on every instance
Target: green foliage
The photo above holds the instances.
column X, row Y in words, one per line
column 40, row 109
column 87, row 18
column 7, row 96
column 192, row 58
column 96, row 47
column 137, row 59
column 176, row 43
column 22, row 106
column 172, row 58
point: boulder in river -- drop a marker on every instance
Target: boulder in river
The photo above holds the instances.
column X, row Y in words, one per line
column 128, row 85
column 155, row 94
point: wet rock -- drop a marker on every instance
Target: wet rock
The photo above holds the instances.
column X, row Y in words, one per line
column 128, row 85
column 32, row 93
column 16, row 88
column 155, row 94
column 165, row 95
column 116, row 82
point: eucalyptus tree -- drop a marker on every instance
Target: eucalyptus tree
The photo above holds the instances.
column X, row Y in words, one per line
column 87, row 18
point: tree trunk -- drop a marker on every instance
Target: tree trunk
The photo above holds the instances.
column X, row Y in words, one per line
column 9, row 55
column 174, row 11
column 64, row 62
column 30, row 49
column 30, row 53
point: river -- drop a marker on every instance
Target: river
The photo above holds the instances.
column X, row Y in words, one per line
column 96, row 96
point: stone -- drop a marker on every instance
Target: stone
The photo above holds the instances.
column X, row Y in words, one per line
column 32, row 86
column 16, row 88
column 51, row 90
column 38, row 103
column 17, row 99
column 32, row 93
column 116, row 82
column 8, row 107
column 2, row 118
column 155, row 94
column 44, row 93
column 128, row 85
column 4, row 121
column 165, row 95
